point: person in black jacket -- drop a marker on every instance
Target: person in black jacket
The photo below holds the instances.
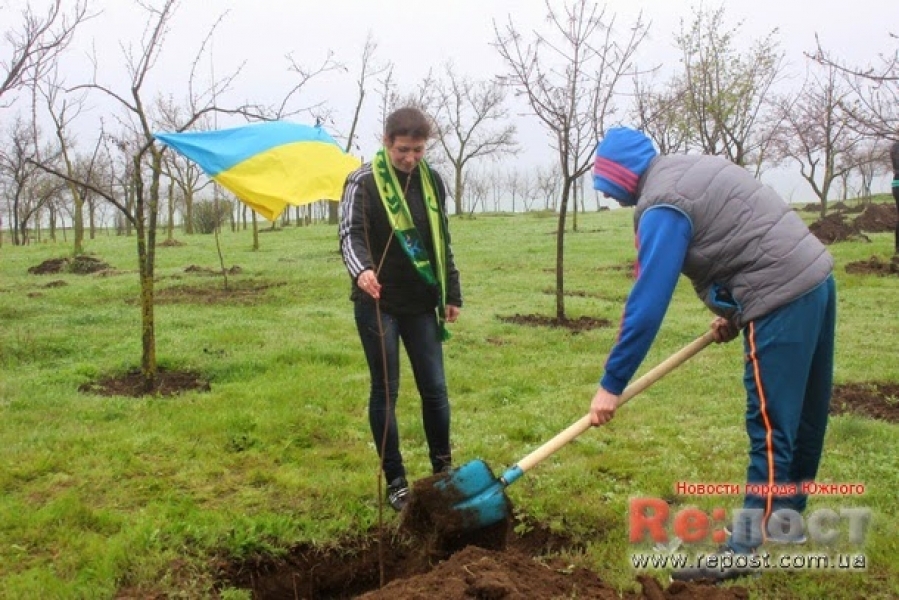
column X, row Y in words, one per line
column 894, row 155
column 395, row 243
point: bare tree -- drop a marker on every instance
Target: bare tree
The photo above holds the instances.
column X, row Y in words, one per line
column 871, row 159
column 816, row 134
column 479, row 187
column 662, row 115
column 546, row 185
column 37, row 41
column 517, row 184
column 472, row 122
column 725, row 91
column 27, row 189
column 63, row 109
column 185, row 173
column 874, row 106
column 368, row 69
column 140, row 208
column 569, row 77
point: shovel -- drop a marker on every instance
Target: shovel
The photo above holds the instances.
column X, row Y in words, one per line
column 478, row 498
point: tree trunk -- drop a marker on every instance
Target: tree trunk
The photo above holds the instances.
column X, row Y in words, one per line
column 458, row 191
column 170, row 230
column 560, row 252
column 255, row 232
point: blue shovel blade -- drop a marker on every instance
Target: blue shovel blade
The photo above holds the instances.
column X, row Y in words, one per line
column 477, row 495
column 467, row 481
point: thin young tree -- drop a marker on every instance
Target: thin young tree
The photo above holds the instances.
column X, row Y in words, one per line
column 726, row 90
column 368, row 68
column 569, row 76
column 137, row 145
column 816, row 134
column 27, row 188
column 35, row 40
column 472, row 121
column 63, row 109
column 874, row 106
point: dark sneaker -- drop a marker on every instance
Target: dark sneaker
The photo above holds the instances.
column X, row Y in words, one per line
column 723, row 565
column 398, row 493
column 447, row 468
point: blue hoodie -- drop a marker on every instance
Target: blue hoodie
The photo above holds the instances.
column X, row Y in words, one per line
column 663, row 235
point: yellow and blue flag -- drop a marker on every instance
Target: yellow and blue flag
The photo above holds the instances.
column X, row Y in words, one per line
column 269, row 165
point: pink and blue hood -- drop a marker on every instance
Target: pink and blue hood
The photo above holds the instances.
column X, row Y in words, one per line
column 622, row 157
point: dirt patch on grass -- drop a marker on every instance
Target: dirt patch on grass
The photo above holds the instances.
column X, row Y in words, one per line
column 874, row 266
column 576, row 325
column 396, row 567
column 876, row 400
column 237, row 292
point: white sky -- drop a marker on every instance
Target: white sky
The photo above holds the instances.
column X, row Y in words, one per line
column 417, row 35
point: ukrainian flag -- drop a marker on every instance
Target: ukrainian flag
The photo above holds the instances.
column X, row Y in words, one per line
column 269, row 165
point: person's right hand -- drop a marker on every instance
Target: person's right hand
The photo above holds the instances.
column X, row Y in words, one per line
column 368, row 283
column 602, row 407
column 723, row 330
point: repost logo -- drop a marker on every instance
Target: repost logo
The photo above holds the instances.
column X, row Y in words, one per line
column 652, row 520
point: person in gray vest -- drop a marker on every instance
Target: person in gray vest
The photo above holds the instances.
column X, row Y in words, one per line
column 755, row 264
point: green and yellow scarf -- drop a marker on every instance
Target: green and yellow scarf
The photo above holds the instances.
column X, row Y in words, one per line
column 404, row 228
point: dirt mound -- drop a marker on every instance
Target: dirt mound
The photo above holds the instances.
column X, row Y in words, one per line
column 395, row 567
column 234, row 270
column 478, row 573
column 834, row 228
column 874, row 266
column 876, row 400
column 877, row 218
column 80, row 265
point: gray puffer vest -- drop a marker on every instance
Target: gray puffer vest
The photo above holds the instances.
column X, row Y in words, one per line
column 749, row 253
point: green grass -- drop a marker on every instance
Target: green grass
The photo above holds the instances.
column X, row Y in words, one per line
column 99, row 494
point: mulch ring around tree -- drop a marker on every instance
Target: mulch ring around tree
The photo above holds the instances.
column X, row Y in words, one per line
column 394, row 566
column 576, row 325
column 875, row 400
column 874, row 266
column 79, row 265
column 132, row 384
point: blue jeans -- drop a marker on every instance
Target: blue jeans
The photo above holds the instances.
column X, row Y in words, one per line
column 421, row 338
column 788, row 378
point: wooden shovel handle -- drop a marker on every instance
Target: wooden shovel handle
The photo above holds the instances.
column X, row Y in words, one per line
column 649, row 378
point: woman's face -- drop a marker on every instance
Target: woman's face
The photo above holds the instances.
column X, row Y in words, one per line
column 405, row 152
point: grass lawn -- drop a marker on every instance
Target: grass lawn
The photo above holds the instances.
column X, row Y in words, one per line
column 104, row 494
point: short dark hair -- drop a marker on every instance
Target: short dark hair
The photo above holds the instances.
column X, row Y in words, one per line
column 408, row 121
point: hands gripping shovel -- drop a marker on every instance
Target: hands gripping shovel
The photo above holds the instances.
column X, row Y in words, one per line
column 475, row 498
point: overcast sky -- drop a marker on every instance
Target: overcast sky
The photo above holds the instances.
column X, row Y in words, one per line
column 418, row 35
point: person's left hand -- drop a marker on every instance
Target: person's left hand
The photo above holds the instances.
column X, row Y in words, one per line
column 603, row 407
column 723, row 330
column 452, row 313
